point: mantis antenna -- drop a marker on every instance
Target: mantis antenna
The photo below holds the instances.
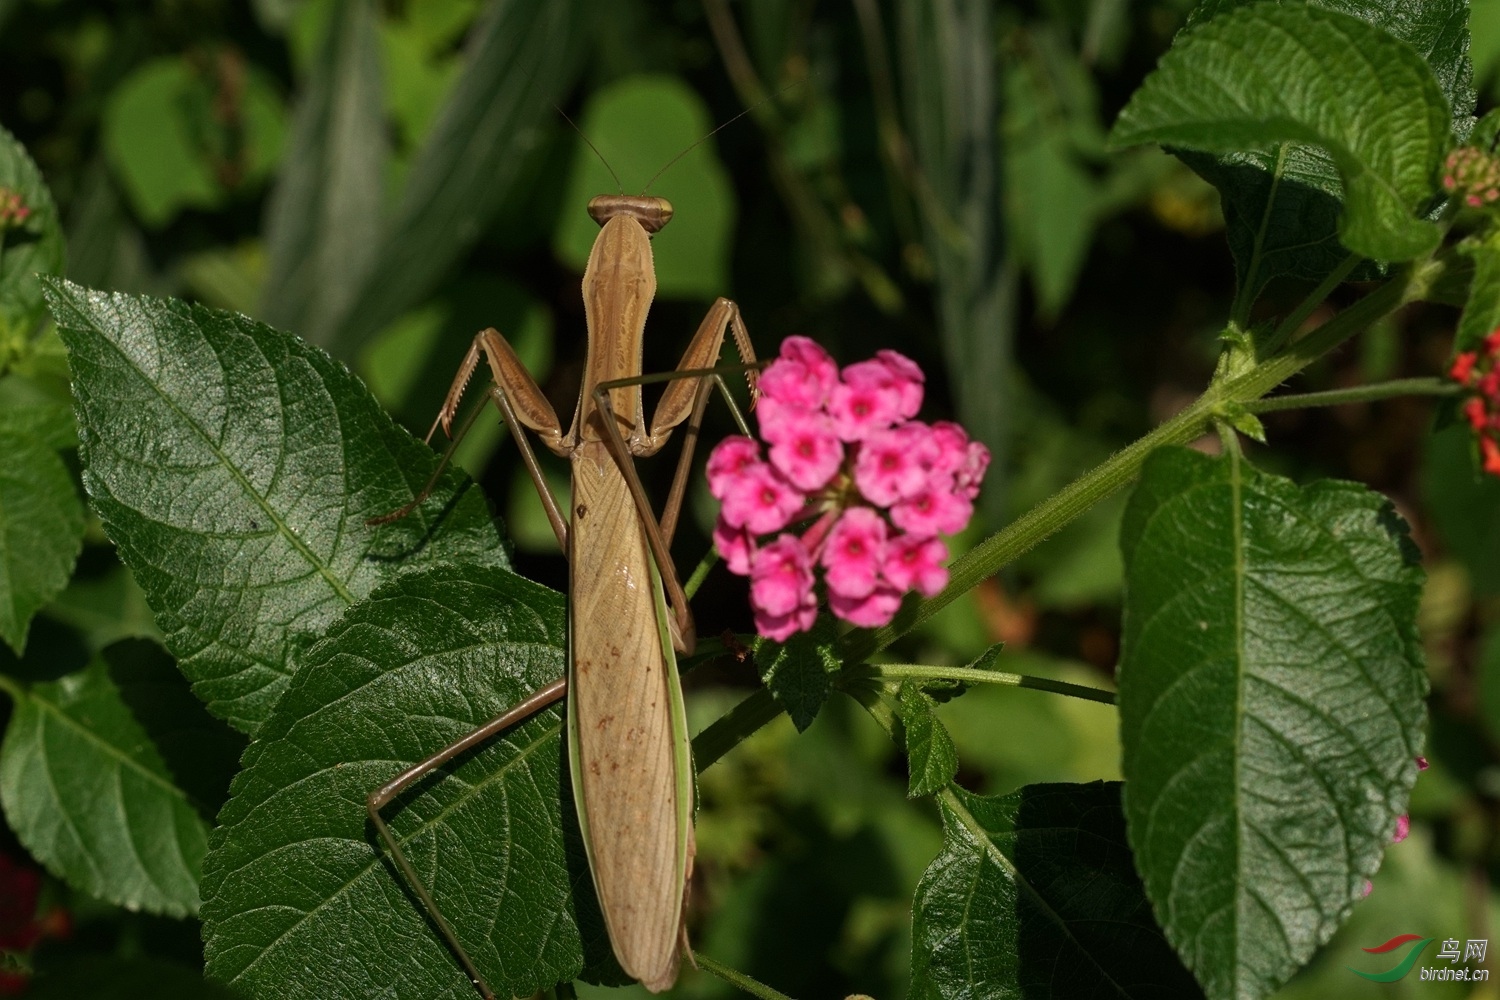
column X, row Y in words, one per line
column 618, row 186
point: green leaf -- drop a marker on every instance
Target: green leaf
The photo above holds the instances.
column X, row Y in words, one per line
column 323, row 220
column 1465, row 505
column 36, row 247
column 1271, row 707
column 638, row 125
column 41, row 531
column 520, row 59
column 1482, row 308
column 150, row 141
column 1049, row 191
column 109, row 777
column 30, row 408
column 931, row 757
column 1223, row 88
column 1282, row 207
column 98, row 977
column 947, row 58
column 1034, row 895
column 295, row 884
column 235, row 468
column 799, row 672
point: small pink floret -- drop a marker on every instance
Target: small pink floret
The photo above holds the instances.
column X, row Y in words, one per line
column 807, row 452
column 913, row 563
column 803, row 375
column 1403, row 828
column 854, row 552
column 933, row 511
column 859, row 411
column 976, row 461
column 762, row 502
column 893, row 374
column 781, row 588
column 736, row 546
column 871, row 611
column 729, row 463
column 894, row 464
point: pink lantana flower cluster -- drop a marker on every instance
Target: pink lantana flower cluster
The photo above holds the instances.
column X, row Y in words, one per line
column 1473, row 174
column 874, row 487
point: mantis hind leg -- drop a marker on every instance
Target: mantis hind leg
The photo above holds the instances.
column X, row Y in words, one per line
column 382, row 796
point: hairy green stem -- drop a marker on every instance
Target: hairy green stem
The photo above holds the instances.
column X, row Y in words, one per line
column 1357, row 394
column 733, row 726
column 1005, row 545
column 970, row 675
column 1288, row 327
column 733, row 977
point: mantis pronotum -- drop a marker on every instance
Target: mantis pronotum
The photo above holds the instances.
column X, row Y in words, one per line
column 627, row 729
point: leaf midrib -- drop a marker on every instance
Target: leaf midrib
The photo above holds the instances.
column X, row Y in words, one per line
column 293, row 539
column 972, row 825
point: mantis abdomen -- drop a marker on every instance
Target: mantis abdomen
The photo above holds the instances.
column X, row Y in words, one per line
column 632, row 780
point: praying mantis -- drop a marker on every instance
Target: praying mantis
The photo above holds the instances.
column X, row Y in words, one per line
column 628, row 749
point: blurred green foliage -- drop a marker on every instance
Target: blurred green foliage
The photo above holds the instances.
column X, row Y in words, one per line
column 384, row 179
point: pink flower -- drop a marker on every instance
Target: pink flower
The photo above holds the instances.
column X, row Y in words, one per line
column 893, row 464
column 949, row 445
column 976, row 461
column 933, row 511
column 803, row 376
column 871, row 611
column 878, row 487
column 736, row 546
column 729, row 464
column 893, row 374
column 1403, row 828
column 853, row 553
column 859, row 411
column 781, row 589
column 913, row 563
column 761, row 501
column 807, row 452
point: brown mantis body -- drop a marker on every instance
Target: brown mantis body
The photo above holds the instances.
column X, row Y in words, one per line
column 627, row 730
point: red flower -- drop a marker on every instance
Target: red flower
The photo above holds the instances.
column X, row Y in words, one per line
column 1479, row 372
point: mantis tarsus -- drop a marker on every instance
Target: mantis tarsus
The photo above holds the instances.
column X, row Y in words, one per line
column 627, row 729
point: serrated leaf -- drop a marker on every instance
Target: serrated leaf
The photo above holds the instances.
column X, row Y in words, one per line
column 35, row 247
column 41, row 531
column 109, row 777
column 1034, row 895
column 235, row 467
column 1271, row 707
column 1281, row 208
column 521, row 57
column 1222, row 88
column 295, row 882
column 639, row 124
column 799, row 672
column 323, row 220
column 931, row 758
